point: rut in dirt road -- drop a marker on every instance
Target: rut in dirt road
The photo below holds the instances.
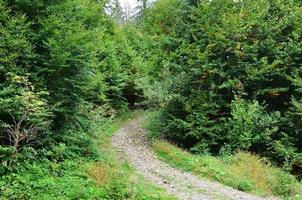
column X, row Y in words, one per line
column 131, row 143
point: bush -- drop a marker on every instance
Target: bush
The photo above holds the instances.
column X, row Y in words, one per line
column 250, row 127
column 48, row 180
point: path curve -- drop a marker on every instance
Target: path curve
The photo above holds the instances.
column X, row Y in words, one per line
column 132, row 144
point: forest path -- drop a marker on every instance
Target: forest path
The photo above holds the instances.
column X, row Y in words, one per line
column 131, row 143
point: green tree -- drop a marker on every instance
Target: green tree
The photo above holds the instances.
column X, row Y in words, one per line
column 216, row 54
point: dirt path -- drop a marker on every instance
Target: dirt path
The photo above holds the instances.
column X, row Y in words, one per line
column 132, row 144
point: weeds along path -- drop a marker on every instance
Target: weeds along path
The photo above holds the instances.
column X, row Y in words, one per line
column 131, row 143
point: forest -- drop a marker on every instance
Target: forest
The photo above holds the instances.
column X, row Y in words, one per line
column 216, row 79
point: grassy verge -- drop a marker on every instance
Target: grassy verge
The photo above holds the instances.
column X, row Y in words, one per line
column 242, row 171
column 79, row 177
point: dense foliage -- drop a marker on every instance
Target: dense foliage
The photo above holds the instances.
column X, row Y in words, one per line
column 234, row 70
column 65, row 68
column 60, row 60
column 226, row 74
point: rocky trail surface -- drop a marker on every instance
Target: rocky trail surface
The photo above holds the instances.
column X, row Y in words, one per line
column 132, row 144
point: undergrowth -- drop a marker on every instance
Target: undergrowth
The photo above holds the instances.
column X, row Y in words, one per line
column 80, row 178
column 243, row 170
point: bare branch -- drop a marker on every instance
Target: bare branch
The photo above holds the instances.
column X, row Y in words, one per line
column 21, row 134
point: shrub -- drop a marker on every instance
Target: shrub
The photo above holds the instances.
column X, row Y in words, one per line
column 250, row 127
